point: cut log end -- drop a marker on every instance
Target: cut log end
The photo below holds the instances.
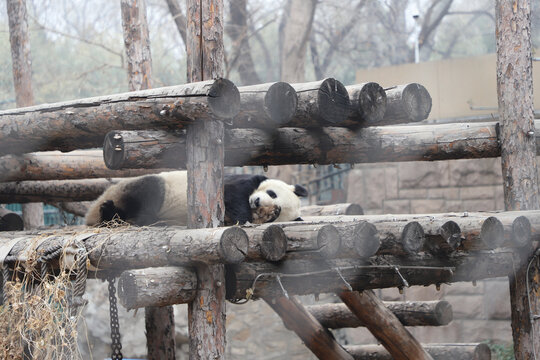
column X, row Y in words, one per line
column 333, row 101
column 417, row 102
column 10, row 221
column 521, row 231
column 492, row 232
column 234, row 245
column 444, row 313
column 113, row 150
column 368, row 102
column 367, row 240
column 274, row 243
column 354, row 209
column 328, row 241
column 413, row 237
column 448, row 239
column 224, row 99
column 280, row 102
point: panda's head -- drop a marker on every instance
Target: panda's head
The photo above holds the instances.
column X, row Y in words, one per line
column 278, row 194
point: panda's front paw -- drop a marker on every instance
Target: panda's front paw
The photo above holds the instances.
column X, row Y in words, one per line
column 264, row 214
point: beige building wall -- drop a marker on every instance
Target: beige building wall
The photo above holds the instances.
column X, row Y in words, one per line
column 455, row 85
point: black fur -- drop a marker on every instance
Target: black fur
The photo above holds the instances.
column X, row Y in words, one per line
column 237, row 189
column 140, row 203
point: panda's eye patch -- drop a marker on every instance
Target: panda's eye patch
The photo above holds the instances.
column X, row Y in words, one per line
column 271, row 194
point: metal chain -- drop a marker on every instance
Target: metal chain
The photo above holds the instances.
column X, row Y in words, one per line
column 116, row 345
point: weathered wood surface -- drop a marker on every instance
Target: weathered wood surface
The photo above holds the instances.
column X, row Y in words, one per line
column 406, row 103
column 317, row 339
column 205, row 168
column 437, row 351
column 368, row 104
column 320, row 103
column 509, row 229
column 384, row 325
column 334, row 209
column 83, row 123
column 53, row 190
column 10, row 221
column 55, row 165
column 301, row 277
column 142, row 247
column 269, row 105
column 409, row 313
column 268, row 243
column 137, row 44
column 329, row 145
column 157, row 286
column 518, row 158
column 76, row 208
column 160, row 332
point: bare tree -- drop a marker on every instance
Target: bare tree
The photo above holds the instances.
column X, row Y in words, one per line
column 22, row 80
column 178, row 16
column 294, row 33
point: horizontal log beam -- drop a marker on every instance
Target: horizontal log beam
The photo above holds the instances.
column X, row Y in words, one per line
column 55, row 165
column 437, row 351
column 329, row 145
column 302, row 277
column 409, row 313
column 330, row 210
column 157, row 286
column 83, row 123
column 368, row 104
column 144, row 247
column 53, row 190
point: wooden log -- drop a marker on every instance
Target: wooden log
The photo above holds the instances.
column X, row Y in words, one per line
column 368, row 103
column 409, row 313
column 479, row 351
column 322, row 239
column 53, row 190
column 76, row 208
column 157, row 286
column 320, row 103
column 268, row 243
column 268, row 105
column 10, row 221
column 442, row 239
column 83, row 123
column 54, row 165
column 334, row 209
column 407, row 103
column 317, row 339
column 205, row 168
column 384, row 325
column 160, row 332
column 399, row 238
column 302, row 277
column 329, row 145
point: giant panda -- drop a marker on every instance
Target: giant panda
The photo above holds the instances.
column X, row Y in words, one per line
column 162, row 199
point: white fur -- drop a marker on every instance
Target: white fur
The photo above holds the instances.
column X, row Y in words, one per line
column 286, row 199
column 174, row 208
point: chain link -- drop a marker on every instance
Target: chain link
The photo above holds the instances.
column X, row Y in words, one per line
column 116, row 345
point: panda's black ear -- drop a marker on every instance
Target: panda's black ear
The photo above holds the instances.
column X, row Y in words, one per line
column 257, row 179
column 301, row 191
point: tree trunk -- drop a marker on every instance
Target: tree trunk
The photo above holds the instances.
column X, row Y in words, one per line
column 519, row 169
column 294, row 32
column 137, row 43
column 179, row 18
column 204, row 148
column 238, row 31
column 22, row 80
column 409, row 313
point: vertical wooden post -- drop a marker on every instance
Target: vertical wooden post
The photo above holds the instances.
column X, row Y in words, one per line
column 22, row 81
column 159, row 321
column 205, row 157
column 518, row 158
